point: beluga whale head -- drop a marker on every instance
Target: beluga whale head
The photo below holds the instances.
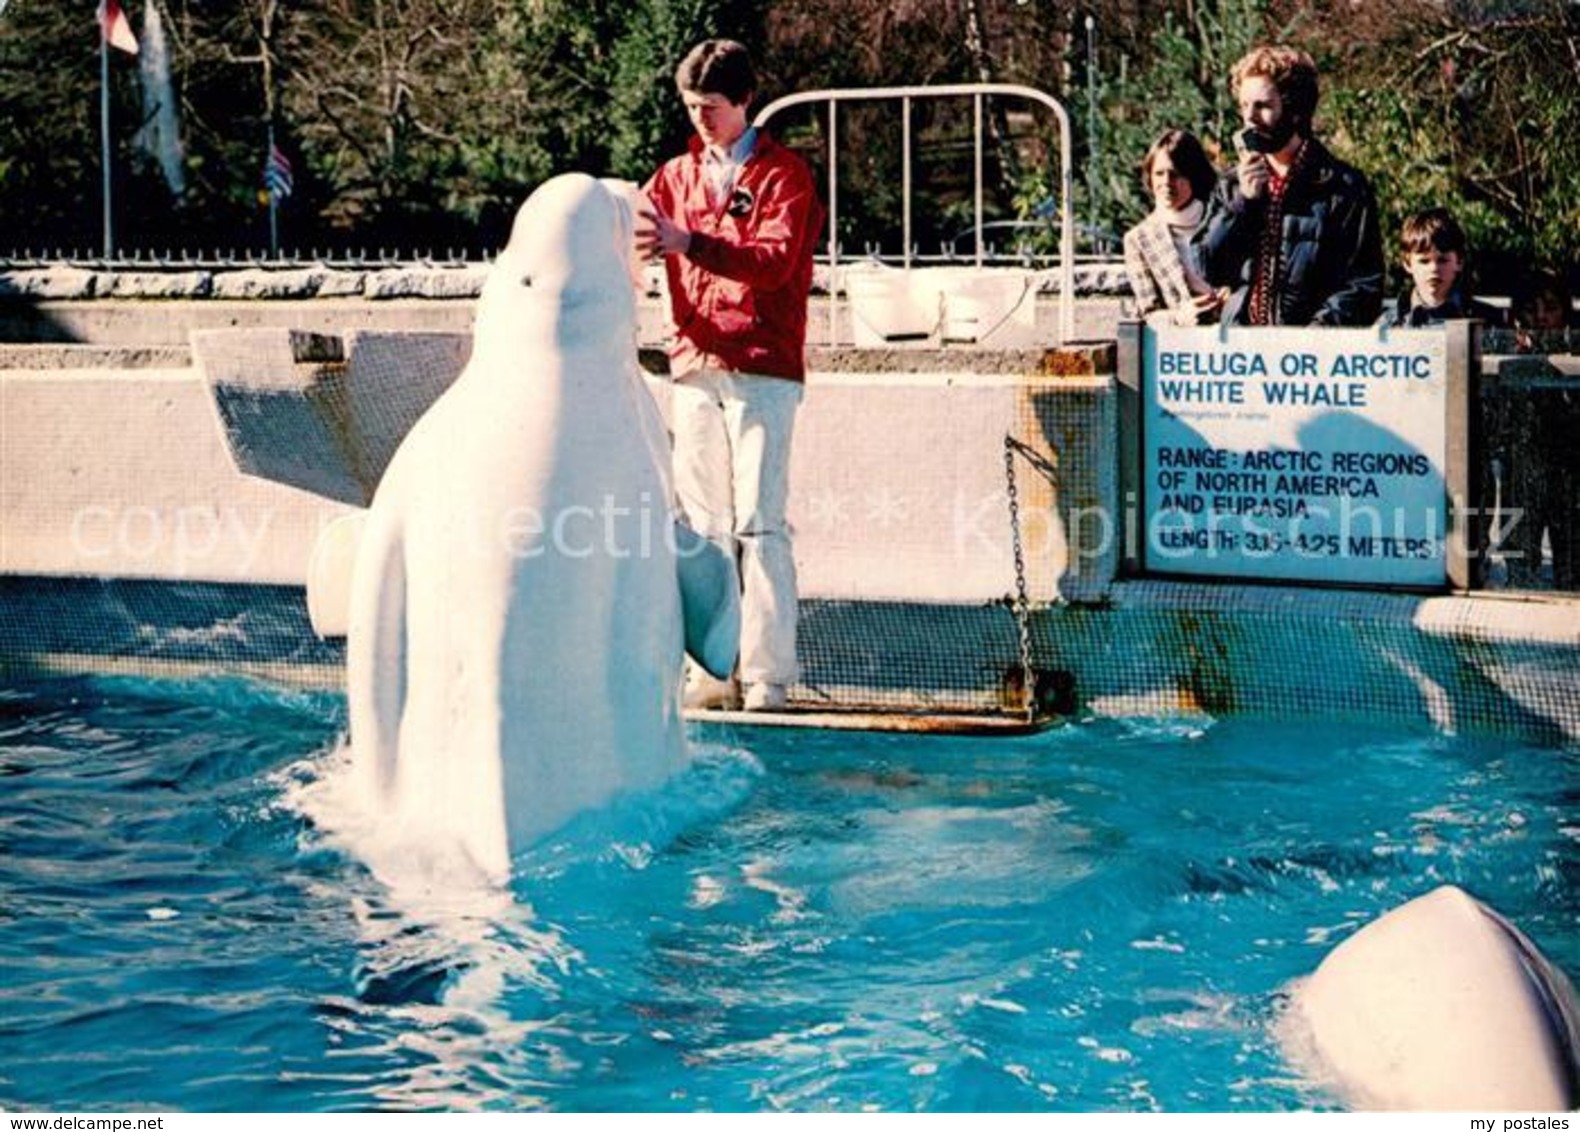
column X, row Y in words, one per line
column 1440, row 1005
column 564, row 277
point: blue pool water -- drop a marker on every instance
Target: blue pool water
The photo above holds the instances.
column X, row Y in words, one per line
column 1098, row 917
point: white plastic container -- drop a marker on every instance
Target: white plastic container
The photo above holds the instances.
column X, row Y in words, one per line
column 888, row 303
column 990, row 306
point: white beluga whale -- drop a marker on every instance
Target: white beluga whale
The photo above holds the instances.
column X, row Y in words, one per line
column 514, row 617
column 1440, row 1005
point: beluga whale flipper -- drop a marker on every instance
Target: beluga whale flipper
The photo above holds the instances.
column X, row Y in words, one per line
column 1440, row 1005
column 515, row 621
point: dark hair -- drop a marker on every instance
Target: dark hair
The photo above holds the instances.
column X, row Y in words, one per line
column 1289, row 69
column 1529, row 293
column 718, row 66
column 1188, row 158
column 1435, row 228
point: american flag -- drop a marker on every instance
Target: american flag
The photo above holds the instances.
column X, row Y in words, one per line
column 277, row 174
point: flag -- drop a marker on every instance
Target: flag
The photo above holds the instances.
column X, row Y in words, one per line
column 117, row 29
column 277, row 174
column 160, row 136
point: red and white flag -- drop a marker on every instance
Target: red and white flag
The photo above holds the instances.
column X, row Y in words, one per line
column 116, row 27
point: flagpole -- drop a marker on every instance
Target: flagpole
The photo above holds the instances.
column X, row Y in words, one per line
column 104, row 135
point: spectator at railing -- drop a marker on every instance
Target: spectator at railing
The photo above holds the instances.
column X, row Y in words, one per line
column 1432, row 251
column 1541, row 302
column 1532, row 424
column 1164, row 269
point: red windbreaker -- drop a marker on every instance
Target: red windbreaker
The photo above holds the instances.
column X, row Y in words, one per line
column 739, row 296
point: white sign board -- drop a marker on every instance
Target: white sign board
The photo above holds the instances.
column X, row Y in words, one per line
column 1302, row 454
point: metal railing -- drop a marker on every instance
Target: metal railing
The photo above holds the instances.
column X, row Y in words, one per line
column 977, row 92
column 186, row 259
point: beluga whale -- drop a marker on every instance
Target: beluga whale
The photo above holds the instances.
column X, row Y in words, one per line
column 515, row 616
column 1440, row 1005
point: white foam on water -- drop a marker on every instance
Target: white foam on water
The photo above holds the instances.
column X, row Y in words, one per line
column 433, row 916
column 435, row 913
column 423, row 873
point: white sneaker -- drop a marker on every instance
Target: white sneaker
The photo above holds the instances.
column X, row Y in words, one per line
column 764, row 697
column 708, row 693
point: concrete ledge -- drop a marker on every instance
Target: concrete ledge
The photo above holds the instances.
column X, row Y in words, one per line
column 227, row 472
column 450, row 283
column 304, row 283
column 336, row 303
column 60, row 282
column 43, row 357
column 297, row 280
column 113, row 322
column 1073, row 359
column 155, row 284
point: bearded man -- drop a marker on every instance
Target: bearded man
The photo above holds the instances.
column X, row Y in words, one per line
column 1291, row 230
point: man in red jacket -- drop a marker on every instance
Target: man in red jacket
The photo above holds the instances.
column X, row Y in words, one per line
column 736, row 218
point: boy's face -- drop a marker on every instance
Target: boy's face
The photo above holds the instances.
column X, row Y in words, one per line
column 1434, row 272
column 717, row 120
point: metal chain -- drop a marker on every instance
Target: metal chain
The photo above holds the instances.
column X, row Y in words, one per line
column 1022, row 602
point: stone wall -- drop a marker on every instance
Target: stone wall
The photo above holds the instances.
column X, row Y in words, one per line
column 90, row 304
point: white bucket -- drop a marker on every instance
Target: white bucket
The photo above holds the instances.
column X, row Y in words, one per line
column 989, row 306
column 886, row 305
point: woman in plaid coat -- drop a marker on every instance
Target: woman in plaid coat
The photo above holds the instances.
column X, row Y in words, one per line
column 1163, row 270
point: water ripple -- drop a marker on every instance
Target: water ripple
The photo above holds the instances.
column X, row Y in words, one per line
column 1096, row 918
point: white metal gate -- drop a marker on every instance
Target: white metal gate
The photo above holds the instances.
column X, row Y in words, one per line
column 977, row 92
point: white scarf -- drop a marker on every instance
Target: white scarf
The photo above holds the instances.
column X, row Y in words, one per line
column 1186, row 218
column 1181, row 222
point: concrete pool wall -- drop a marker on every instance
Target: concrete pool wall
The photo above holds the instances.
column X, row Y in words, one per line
column 132, row 541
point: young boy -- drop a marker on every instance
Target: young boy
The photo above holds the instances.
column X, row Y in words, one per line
column 736, row 219
column 1432, row 250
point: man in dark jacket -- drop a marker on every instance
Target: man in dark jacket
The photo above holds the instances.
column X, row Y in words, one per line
column 1291, row 230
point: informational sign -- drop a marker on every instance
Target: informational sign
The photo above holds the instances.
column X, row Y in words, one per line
column 1303, row 454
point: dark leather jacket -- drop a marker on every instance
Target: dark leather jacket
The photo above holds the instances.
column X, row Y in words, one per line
column 1331, row 266
column 1404, row 313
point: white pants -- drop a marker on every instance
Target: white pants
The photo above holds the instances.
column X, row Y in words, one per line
column 732, row 477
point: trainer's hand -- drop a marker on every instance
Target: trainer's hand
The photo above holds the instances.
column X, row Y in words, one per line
column 1253, row 172
column 658, row 235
